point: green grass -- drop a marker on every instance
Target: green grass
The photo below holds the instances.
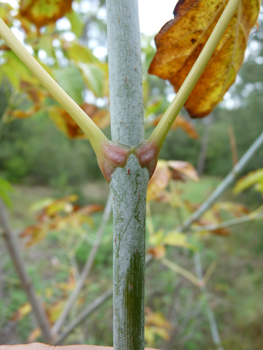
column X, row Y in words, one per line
column 197, row 192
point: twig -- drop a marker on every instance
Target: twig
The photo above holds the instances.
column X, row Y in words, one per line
column 209, row 311
column 186, row 274
column 203, row 150
column 210, row 271
column 19, row 264
column 233, row 145
column 224, row 184
column 99, row 301
column 92, row 307
column 228, row 223
column 85, row 271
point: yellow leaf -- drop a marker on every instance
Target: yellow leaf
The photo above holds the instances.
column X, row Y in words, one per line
column 149, row 335
column 34, row 335
column 157, row 319
column 157, row 252
column 181, row 271
column 42, row 12
column 159, row 180
column 48, row 292
column 156, row 238
column 55, row 310
column 181, row 40
column 70, row 285
column 183, row 170
column 252, row 178
column 41, row 204
column 34, row 233
column 177, row 239
column 102, row 118
column 21, row 312
column 69, row 127
column 188, row 127
column 182, row 123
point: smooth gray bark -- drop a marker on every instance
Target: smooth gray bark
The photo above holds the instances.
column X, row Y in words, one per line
column 128, row 184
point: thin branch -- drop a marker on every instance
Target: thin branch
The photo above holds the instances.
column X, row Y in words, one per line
column 209, row 311
column 233, row 145
column 210, row 271
column 94, row 134
column 91, row 308
column 186, row 274
column 160, row 132
column 224, row 184
column 85, row 271
column 229, row 223
column 19, row 264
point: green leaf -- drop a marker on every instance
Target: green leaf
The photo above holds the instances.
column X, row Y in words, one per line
column 71, row 81
column 44, row 42
column 249, row 180
column 5, row 190
column 77, row 24
column 156, row 238
column 80, row 53
column 41, row 204
column 14, row 64
column 94, row 78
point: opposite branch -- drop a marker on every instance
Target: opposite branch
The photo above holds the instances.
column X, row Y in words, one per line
column 18, row 262
column 160, row 132
column 94, row 134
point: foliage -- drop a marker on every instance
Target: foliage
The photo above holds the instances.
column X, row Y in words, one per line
column 81, row 70
column 237, row 269
column 5, row 190
column 254, row 178
column 63, row 224
column 178, row 47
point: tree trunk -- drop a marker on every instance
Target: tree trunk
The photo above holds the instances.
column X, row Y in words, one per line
column 128, row 184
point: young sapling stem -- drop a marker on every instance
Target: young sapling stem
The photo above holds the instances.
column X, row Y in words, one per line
column 160, row 132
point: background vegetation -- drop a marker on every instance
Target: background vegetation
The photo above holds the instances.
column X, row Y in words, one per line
column 41, row 162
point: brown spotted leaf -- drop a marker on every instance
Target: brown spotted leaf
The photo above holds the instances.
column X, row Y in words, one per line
column 164, row 172
column 56, row 215
column 181, row 40
column 68, row 126
column 43, row 12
